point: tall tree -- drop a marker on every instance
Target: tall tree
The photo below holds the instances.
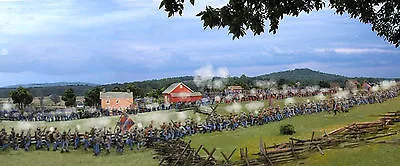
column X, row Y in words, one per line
column 92, row 97
column 22, row 97
column 137, row 92
column 55, row 98
column 69, row 97
column 324, row 84
column 242, row 15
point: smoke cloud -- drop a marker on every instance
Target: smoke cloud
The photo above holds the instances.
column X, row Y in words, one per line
column 320, row 97
column 204, row 77
column 234, row 108
column 7, row 106
column 265, row 84
column 253, row 106
column 342, row 94
column 289, row 101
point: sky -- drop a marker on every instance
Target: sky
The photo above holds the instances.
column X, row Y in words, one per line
column 108, row 41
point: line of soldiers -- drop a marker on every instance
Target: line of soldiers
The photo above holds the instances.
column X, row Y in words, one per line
column 105, row 139
column 97, row 139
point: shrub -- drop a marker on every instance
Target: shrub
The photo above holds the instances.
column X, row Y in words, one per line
column 287, row 129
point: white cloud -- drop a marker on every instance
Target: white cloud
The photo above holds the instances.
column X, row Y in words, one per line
column 4, row 52
column 353, row 50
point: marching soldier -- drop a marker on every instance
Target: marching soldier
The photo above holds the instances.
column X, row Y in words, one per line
column 65, row 141
column 57, row 139
column 96, row 144
column 130, row 140
column 120, row 142
column 27, row 140
column 47, row 139
column 76, row 139
column 3, row 139
column 14, row 139
column 38, row 138
column 86, row 142
column 108, row 142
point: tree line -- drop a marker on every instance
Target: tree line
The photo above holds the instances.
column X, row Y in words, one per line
column 154, row 88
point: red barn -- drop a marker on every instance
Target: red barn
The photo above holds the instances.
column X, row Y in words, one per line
column 179, row 92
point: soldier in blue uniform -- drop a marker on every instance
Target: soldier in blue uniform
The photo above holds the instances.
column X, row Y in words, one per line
column 27, row 139
column 76, row 139
column 65, row 141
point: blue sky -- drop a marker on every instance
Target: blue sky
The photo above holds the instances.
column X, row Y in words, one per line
column 106, row 41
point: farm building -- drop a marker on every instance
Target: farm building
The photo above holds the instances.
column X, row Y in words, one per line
column 116, row 100
column 179, row 92
column 366, row 86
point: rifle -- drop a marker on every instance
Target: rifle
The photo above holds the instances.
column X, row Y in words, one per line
column 43, row 131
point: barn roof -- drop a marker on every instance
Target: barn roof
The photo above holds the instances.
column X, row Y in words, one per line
column 104, row 95
column 173, row 86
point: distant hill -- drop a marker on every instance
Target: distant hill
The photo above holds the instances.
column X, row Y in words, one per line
column 301, row 75
column 46, row 91
column 306, row 77
column 41, row 85
column 310, row 77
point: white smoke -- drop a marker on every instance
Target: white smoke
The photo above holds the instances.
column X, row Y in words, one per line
column 7, row 106
column 155, row 105
column 387, row 84
column 320, row 97
column 182, row 116
column 140, row 125
column 204, row 77
column 217, row 99
column 198, row 118
column 265, row 84
column 342, row 94
column 97, row 123
column 157, row 117
column 375, row 88
column 234, row 108
column 25, row 126
column 253, row 106
column 289, row 101
column 253, row 92
column 218, row 84
column 355, row 92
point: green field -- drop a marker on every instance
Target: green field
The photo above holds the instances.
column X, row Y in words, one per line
column 226, row 141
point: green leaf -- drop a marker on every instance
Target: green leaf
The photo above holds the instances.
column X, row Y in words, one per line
column 161, row 4
column 192, row 2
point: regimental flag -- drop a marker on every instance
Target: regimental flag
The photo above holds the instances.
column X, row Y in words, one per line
column 125, row 122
